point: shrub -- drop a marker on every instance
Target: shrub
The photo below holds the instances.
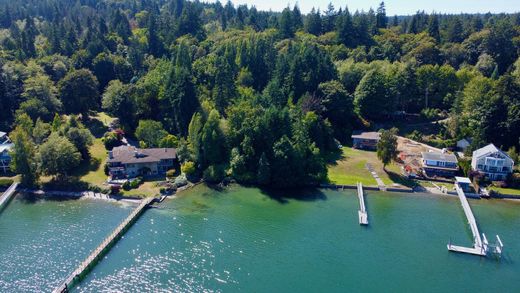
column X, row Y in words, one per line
column 111, row 140
column 429, row 113
column 126, row 185
column 188, row 168
column 134, row 184
column 181, row 180
column 171, row 173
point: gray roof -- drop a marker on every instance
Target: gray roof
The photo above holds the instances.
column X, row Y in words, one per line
column 489, row 149
column 133, row 155
column 6, row 146
column 439, row 157
column 366, row 135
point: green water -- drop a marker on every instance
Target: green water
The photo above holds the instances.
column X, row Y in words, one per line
column 242, row 240
column 42, row 241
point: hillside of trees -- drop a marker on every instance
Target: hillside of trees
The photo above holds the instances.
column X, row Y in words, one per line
column 263, row 97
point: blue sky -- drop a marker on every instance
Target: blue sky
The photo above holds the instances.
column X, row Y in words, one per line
column 401, row 7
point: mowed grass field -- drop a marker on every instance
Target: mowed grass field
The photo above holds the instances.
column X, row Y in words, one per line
column 350, row 168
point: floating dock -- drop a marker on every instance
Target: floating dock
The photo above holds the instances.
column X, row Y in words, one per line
column 362, row 213
column 479, row 247
column 7, row 195
column 96, row 254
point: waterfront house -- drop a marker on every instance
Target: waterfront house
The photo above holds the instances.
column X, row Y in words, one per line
column 492, row 162
column 129, row 162
column 439, row 164
column 5, row 148
column 365, row 140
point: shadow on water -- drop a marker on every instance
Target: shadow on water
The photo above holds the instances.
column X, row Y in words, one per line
column 28, row 198
column 301, row 194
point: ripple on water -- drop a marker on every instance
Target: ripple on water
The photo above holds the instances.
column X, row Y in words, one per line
column 42, row 241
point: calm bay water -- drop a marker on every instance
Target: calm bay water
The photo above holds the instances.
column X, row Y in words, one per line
column 241, row 240
column 42, row 241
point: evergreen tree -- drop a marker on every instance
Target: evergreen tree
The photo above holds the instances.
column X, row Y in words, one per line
column 286, row 25
column 381, row 20
column 433, row 27
column 313, row 23
column 155, row 46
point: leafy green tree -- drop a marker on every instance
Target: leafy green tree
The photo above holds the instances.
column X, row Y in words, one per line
column 338, row 107
column 188, row 168
column 81, row 138
column 40, row 131
column 79, row 92
column 371, row 97
column 150, row 132
column 23, row 157
column 213, row 141
column 387, row 147
column 58, row 156
column 195, row 137
column 41, row 98
column 169, row 141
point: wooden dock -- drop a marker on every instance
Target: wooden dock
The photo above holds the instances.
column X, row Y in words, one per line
column 8, row 195
column 362, row 213
column 98, row 252
column 479, row 247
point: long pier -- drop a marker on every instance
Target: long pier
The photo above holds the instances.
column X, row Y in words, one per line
column 97, row 253
column 362, row 213
column 479, row 247
column 7, row 195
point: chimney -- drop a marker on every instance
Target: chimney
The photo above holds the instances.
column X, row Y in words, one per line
column 136, row 154
column 110, row 155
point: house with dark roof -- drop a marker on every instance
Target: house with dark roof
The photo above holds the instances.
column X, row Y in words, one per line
column 365, row 140
column 439, row 164
column 129, row 162
column 494, row 163
column 5, row 148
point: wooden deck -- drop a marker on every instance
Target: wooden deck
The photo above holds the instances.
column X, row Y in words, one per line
column 7, row 195
column 94, row 256
column 479, row 247
column 362, row 213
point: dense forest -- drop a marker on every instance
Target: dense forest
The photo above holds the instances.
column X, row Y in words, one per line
column 262, row 97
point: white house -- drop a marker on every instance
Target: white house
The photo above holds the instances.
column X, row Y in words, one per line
column 5, row 147
column 439, row 164
column 492, row 162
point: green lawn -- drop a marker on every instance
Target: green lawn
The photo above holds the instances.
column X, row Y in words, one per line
column 510, row 191
column 93, row 171
column 103, row 118
column 146, row 189
column 350, row 169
